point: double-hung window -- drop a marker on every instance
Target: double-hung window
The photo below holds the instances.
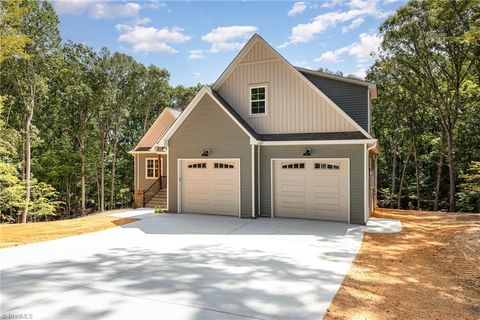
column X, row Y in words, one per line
column 258, row 100
column 152, row 168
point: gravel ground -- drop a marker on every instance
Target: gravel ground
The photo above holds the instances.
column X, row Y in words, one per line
column 431, row 270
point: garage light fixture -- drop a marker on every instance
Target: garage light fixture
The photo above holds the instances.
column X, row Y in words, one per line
column 308, row 152
column 206, row 153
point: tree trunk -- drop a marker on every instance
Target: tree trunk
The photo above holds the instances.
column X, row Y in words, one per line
column 112, row 184
column 67, row 196
column 417, row 177
column 102, row 174
column 82, row 175
column 402, row 178
column 439, row 173
column 451, row 169
column 394, row 173
column 27, row 124
column 27, row 121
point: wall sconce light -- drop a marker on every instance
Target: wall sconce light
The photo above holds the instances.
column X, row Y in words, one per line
column 308, row 152
column 206, row 153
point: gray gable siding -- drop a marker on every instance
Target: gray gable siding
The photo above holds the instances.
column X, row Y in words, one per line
column 351, row 98
column 209, row 127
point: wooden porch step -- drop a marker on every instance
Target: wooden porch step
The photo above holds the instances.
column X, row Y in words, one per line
column 158, row 200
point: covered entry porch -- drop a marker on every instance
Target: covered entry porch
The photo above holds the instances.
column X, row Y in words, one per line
column 150, row 179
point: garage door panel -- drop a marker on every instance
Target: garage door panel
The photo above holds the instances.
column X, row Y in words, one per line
column 210, row 187
column 317, row 190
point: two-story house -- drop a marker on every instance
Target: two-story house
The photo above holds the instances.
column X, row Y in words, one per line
column 267, row 139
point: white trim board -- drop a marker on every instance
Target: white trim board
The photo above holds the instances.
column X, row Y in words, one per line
column 179, row 180
column 272, row 212
column 256, row 38
column 316, row 142
column 253, row 181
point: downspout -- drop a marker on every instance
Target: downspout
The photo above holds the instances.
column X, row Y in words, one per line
column 367, row 179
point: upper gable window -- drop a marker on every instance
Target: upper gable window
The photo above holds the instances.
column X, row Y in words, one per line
column 258, row 100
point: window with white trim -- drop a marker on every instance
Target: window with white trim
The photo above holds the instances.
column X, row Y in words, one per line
column 258, row 100
column 152, row 168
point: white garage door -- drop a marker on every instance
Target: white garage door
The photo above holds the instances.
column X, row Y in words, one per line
column 311, row 189
column 210, row 186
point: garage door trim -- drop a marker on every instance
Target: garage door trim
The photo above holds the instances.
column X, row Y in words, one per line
column 272, row 160
column 179, row 179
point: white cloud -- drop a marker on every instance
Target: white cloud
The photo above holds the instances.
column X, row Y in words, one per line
column 363, row 51
column 71, row 6
column 97, row 9
column 197, row 75
column 332, row 3
column 228, row 38
column 150, row 39
column 109, row 11
column 298, row 7
column 141, row 21
column 329, row 56
column 196, row 54
column 354, row 25
column 369, row 44
column 305, row 32
column 155, row 4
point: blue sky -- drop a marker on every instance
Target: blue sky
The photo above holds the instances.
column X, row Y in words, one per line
column 196, row 40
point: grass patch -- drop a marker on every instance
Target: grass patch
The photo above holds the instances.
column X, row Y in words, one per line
column 18, row 234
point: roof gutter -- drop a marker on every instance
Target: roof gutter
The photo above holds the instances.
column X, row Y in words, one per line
column 317, row 142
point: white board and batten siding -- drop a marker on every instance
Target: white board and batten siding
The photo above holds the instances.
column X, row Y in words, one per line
column 311, row 189
column 292, row 106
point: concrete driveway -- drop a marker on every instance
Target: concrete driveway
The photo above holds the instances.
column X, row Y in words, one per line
column 182, row 267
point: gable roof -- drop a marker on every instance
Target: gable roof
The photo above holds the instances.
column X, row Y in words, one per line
column 255, row 137
column 163, row 141
column 250, row 44
column 143, row 145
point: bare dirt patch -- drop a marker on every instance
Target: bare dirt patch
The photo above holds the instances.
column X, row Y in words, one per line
column 431, row 270
column 17, row 234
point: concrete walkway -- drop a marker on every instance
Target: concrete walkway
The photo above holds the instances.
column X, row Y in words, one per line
column 173, row 266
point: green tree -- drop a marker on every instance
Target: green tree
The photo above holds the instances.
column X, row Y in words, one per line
column 426, row 39
column 12, row 39
column 29, row 73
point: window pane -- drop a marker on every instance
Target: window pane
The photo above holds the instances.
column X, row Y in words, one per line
column 254, row 90
column 261, row 90
column 261, row 96
column 150, row 173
